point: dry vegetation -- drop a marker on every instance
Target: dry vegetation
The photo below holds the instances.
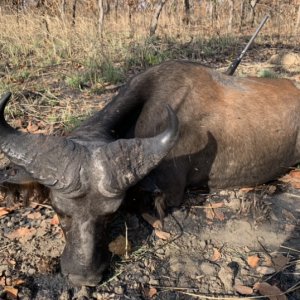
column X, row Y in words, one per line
column 49, row 50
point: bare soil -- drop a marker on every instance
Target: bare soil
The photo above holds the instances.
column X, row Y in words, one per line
column 220, row 245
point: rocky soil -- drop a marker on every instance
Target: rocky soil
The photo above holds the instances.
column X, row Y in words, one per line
column 220, row 245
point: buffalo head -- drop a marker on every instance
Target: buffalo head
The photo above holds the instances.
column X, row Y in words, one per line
column 87, row 181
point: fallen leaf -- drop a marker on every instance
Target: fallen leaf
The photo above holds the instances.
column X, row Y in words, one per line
column 219, row 215
column 162, row 234
column 246, row 189
column 214, row 205
column 216, row 256
column 209, row 213
column 253, row 261
column 295, row 173
column 270, row 291
column 118, row 246
column 11, row 291
column 271, row 189
column 4, row 211
column 213, row 211
column 293, row 178
column 265, row 270
column 18, row 282
column 150, row 292
column 22, row 233
column 243, row 289
column 280, row 261
column 154, row 222
column 2, row 280
column 34, row 216
column 32, row 127
column 55, row 220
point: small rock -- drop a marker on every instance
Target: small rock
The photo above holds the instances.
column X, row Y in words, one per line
column 226, row 276
column 202, row 244
column 265, row 270
column 243, row 290
column 208, row 268
column 31, row 271
column 119, row 290
column 153, row 281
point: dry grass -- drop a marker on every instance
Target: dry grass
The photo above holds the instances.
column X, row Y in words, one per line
column 46, row 55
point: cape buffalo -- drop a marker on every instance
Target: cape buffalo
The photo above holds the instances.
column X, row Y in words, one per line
column 178, row 124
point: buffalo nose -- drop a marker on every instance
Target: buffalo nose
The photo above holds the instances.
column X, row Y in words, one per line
column 79, row 280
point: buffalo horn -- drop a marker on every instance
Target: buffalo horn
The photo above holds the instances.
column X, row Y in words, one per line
column 45, row 158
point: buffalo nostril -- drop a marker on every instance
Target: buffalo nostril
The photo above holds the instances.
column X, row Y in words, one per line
column 79, row 280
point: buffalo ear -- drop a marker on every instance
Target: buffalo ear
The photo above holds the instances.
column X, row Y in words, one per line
column 15, row 174
column 124, row 162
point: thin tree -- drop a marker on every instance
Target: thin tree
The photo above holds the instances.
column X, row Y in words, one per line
column 231, row 12
column 155, row 17
column 253, row 4
column 297, row 20
column 100, row 17
column 187, row 12
column 74, row 12
column 63, row 7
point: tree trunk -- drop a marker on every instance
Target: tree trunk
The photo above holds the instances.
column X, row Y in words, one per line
column 116, row 9
column 231, row 12
column 298, row 20
column 74, row 12
column 252, row 12
column 100, row 17
column 242, row 15
column 63, row 8
column 187, row 12
column 155, row 16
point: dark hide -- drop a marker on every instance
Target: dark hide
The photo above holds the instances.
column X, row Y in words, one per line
column 232, row 132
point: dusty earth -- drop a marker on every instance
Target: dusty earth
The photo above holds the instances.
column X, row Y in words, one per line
column 226, row 245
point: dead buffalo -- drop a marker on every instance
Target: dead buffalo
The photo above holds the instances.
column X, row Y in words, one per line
column 229, row 132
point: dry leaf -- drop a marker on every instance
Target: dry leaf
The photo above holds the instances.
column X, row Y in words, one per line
column 32, row 127
column 162, row 234
column 219, row 214
column 18, row 282
column 253, row 261
column 214, row 205
column 280, row 261
column 243, row 289
column 216, row 256
column 213, row 211
column 11, row 291
column 209, row 213
column 4, row 211
column 265, row 270
column 271, row 189
column 34, row 216
column 118, row 246
column 22, row 233
column 270, row 291
column 293, row 178
column 154, row 222
column 246, row 189
column 2, row 280
column 55, row 220
column 150, row 292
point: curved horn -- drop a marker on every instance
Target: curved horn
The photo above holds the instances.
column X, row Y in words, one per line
column 128, row 161
column 45, row 158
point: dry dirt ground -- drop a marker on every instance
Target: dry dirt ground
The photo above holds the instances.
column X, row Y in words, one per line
column 227, row 245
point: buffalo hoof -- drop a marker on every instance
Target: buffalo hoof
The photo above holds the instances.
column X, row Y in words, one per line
column 79, row 280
